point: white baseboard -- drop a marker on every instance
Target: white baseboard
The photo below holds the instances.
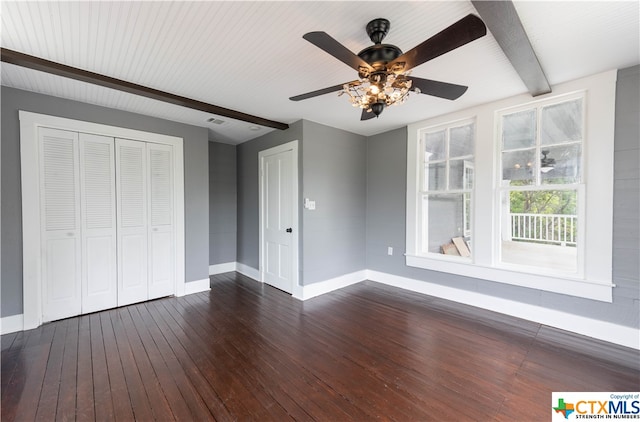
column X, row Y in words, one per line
column 222, row 268
column 11, row 324
column 326, row 286
column 197, row 286
column 248, row 271
column 602, row 330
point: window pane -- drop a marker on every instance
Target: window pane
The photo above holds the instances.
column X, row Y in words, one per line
column 562, row 164
column 519, row 130
column 434, row 146
column 539, row 228
column 445, row 221
column 562, row 123
column 518, row 167
column 460, row 174
column 461, row 141
column 436, row 177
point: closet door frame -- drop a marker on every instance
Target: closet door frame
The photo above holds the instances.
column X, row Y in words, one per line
column 31, row 224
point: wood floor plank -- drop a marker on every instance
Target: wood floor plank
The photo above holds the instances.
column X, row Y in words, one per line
column 177, row 403
column 27, row 383
column 85, row 408
column 242, row 348
column 122, row 408
column 314, row 391
column 140, row 403
column 66, row 409
column 223, row 370
column 8, row 339
column 176, row 368
column 247, row 351
column 160, row 407
column 48, row 403
column 190, row 358
column 102, row 394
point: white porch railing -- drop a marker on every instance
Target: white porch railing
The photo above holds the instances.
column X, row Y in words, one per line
column 545, row 228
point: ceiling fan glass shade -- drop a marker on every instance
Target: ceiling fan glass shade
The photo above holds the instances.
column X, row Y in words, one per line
column 378, row 89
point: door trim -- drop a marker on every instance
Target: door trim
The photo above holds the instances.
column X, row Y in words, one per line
column 289, row 146
column 30, row 169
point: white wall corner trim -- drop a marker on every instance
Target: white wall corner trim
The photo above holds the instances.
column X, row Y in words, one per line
column 197, row 286
column 222, row 268
column 11, row 324
column 248, row 271
column 326, row 286
column 602, row 330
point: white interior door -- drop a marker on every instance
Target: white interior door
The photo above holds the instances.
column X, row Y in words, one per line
column 160, row 233
column 131, row 186
column 277, row 220
column 60, row 224
column 98, row 205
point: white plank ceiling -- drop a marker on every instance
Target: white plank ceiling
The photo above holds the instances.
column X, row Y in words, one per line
column 250, row 56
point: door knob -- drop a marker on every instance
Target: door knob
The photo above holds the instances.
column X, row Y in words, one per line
column 289, row 230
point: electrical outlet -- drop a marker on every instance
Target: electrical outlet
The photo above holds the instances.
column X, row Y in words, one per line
column 389, row 250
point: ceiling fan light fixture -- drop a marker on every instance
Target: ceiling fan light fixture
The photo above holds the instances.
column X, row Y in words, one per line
column 546, row 163
column 389, row 90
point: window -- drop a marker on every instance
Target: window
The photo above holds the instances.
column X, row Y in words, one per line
column 515, row 180
column 447, row 183
column 540, row 185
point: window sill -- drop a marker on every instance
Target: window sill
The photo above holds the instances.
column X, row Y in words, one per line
column 557, row 283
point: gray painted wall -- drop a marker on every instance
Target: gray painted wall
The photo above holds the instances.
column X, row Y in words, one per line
column 386, row 204
column 332, row 171
column 196, row 181
column 334, row 175
column 222, row 203
column 247, row 185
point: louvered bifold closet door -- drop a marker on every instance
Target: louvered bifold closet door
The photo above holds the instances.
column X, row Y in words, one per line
column 97, row 182
column 132, row 215
column 60, row 224
column 160, row 240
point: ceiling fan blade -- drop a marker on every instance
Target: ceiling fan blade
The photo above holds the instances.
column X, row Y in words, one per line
column 325, row 42
column 460, row 33
column 437, row 88
column 366, row 115
column 319, row 92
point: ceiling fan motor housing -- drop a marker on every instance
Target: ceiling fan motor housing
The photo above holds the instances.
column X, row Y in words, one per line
column 377, row 29
column 378, row 55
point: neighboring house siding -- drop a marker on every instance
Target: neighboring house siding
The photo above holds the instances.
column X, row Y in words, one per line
column 196, row 181
column 386, row 219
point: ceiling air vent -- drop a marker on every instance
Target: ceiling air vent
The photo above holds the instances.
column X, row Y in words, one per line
column 215, row 121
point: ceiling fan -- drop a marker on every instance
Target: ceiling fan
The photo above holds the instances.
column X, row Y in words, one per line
column 383, row 70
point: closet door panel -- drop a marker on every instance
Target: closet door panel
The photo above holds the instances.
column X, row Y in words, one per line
column 99, row 268
column 60, row 223
column 132, row 211
column 161, row 238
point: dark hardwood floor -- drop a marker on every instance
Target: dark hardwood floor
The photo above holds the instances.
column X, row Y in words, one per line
column 246, row 351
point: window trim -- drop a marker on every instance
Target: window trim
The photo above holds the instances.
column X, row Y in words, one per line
column 579, row 187
column 423, row 188
column 599, row 108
